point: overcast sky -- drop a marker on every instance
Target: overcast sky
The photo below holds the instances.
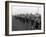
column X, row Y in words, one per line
column 25, row 9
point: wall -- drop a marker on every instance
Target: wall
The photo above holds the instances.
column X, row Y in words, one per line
column 2, row 19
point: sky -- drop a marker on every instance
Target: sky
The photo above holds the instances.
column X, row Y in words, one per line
column 23, row 9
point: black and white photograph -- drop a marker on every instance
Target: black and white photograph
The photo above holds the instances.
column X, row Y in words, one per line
column 25, row 18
